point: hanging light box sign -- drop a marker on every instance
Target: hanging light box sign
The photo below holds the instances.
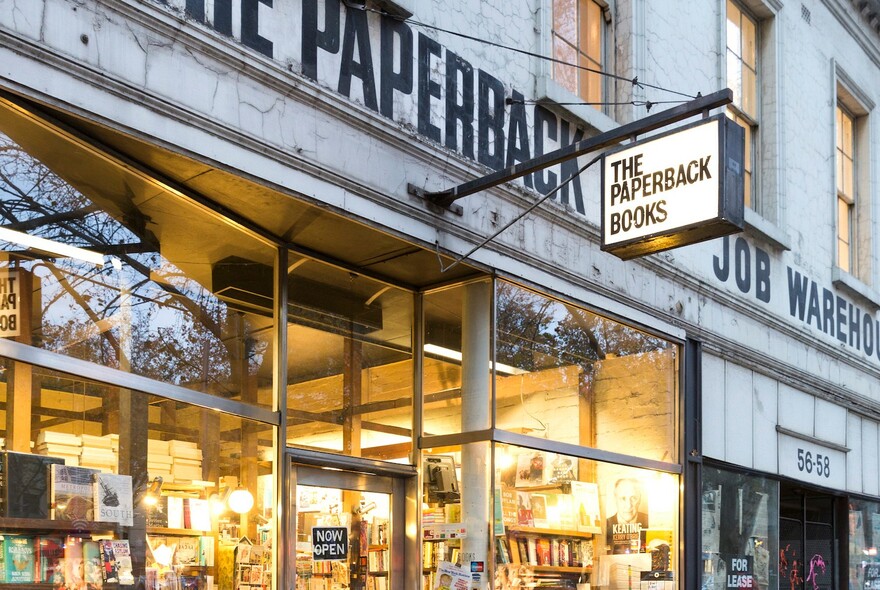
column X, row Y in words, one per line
column 675, row 189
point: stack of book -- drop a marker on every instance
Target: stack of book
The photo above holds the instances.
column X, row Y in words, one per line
column 100, row 452
column 186, row 461
column 159, row 459
column 60, row 444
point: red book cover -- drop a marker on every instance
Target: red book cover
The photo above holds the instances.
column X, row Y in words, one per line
column 51, row 560
column 543, row 548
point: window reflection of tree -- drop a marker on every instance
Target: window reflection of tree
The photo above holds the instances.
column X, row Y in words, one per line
column 535, row 333
column 180, row 332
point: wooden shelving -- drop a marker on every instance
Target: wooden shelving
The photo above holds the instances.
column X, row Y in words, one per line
column 527, row 530
column 65, row 526
column 155, row 530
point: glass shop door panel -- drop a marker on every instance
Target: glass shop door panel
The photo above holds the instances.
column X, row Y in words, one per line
column 344, row 526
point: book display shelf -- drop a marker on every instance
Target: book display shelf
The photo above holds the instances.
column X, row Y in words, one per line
column 109, row 487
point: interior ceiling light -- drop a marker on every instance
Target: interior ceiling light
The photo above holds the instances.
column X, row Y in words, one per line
column 51, row 246
column 456, row 356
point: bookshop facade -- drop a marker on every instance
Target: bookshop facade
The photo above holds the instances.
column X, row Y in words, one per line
column 218, row 377
column 166, row 425
column 237, row 353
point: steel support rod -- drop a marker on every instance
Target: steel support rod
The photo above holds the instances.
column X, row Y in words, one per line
column 447, row 197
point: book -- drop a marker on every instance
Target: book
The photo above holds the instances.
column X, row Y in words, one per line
column 197, row 514
column 109, row 571
column 73, row 564
column 175, row 512
column 50, row 557
column 206, row 544
column 530, row 469
column 524, row 509
column 19, row 559
column 532, row 549
column 122, row 554
column 113, row 499
column 63, row 438
column 508, row 506
column 93, row 564
column 24, row 484
column 157, row 514
column 188, row 551
column 539, row 509
column 71, row 493
column 542, row 551
column 451, row 577
column 585, row 497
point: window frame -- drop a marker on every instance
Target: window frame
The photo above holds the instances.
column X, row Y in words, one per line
column 766, row 220
column 559, row 98
column 737, row 110
column 847, row 202
column 859, row 279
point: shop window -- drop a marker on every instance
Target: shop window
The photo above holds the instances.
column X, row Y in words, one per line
column 454, row 534
column 553, row 520
column 574, row 376
column 808, row 542
column 111, row 267
column 577, row 35
column 864, row 541
column 563, row 521
column 104, row 486
column 350, row 366
column 740, row 526
column 457, row 359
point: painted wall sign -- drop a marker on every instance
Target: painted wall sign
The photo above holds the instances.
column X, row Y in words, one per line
column 10, row 304
column 679, row 188
column 403, row 74
column 329, row 543
column 811, row 462
column 751, row 270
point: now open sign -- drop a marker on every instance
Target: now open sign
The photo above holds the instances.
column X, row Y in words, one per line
column 329, row 543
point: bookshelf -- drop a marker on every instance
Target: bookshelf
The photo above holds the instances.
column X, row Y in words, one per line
column 547, row 557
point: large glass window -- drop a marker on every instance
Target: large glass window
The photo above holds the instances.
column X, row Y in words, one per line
column 740, row 518
column 569, row 375
column 577, row 37
column 742, row 73
column 112, row 267
column 103, row 485
column 350, row 369
column 562, row 521
column 456, row 378
column 864, row 540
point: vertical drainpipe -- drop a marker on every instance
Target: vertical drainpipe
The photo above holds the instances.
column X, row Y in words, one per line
column 693, row 466
column 475, row 416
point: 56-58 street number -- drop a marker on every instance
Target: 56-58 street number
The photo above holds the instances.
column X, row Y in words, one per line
column 819, row 464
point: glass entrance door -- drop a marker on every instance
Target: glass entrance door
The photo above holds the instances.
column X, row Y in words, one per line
column 807, row 540
column 345, row 525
